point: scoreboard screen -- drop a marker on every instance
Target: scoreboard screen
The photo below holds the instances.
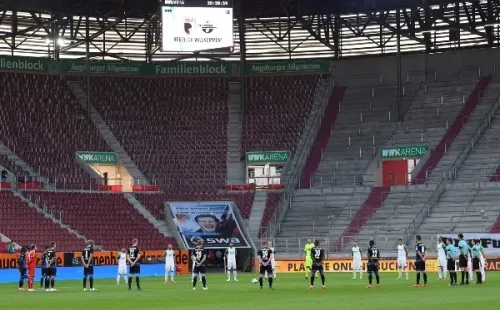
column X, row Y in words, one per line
column 196, row 25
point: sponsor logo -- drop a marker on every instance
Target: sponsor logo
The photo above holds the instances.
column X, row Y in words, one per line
column 223, row 240
column 188, row 24
column 207, row 27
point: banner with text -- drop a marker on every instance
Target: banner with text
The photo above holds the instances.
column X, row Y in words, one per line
column 101, row 258
column 212, row 222
column 267, row 157
column 490, row 242
column 345, row 265
column 109, row 158
column 32, row 64
column 414, row 151
column 287, row 67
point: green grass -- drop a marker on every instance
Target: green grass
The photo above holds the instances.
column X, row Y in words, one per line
column 290, row 293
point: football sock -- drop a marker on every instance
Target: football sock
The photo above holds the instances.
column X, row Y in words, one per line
column 466, row 277
column 260, row 281
column 195, row 279
column 204, row 281
column 440, row 272
column 451, row 278
column 354, row 273
column 52, row 282
column 172, row 276
column 425, row 278
column 463, row 277
column 478, row 275
column 377, row 277
column 129, row 282
column 418, row 278
column 445, row 273
column 138, row 282
column 91, row 280
column 118, row 279
column 84, row 282
column 235, row 274
column 228, row 274
column 270, row 280
column 400, row 272
column 30, row 283
column 47, row 280
column 455, row 277
column 370, row 278
column 406, row 272
column 312, row 281
column 42, row 281
column 21, row 283
column 323, row 279
column 483, row 275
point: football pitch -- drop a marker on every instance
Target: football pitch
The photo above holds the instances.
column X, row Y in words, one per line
column 290, row 292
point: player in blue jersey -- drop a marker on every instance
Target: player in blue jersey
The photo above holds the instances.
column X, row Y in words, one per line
column 23, row 268
column 476, row 260
column 463, row 248
column 451, row 256
column 420, row 252
column 44, row 268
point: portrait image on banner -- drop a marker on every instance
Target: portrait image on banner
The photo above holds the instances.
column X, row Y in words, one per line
column 213, row 223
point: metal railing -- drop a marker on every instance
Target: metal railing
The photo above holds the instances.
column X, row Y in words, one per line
column 296, row 171
column 469, row 147
column 424, row 211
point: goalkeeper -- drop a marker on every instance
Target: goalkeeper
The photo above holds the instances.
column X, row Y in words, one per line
column 307, row 249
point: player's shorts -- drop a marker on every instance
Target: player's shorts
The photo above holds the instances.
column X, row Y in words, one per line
column 309, row 263
column 462, row 261
column 420, row 266
column 122, row 270
column 357, row 264
column 442, row 262
column 31, row 272
column 318, row 268
column 44, row 271
column 475, row 263
column 402, row 262
column 200, row 269
column 88, row 271
column 51, row 272
column 450, row 265
column 268, row 269
column 169, row 267
column 23, row 273
column 136, row 269
column 231, row 265
column 372, row 268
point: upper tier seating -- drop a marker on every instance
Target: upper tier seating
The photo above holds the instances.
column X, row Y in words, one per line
column 44, row 125
column 108, row 219
column 25, row 225
column 155, row 202
column 174, row 129
column 276, row 111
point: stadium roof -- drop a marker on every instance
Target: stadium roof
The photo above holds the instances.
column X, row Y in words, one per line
column 251, row 8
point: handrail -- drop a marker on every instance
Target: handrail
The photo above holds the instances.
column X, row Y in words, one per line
column 485, row 123
column 440, row 188
column 294, row 177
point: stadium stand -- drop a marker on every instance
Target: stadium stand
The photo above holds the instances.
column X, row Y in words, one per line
column 276, row 111
column 26, row 225
column 106, row 218
column 193, row 112
column 272, row 201
column 52, row 127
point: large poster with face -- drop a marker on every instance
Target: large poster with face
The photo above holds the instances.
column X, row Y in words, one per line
column 211, row 222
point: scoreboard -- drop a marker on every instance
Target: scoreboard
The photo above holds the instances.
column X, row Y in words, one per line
column 196, row 25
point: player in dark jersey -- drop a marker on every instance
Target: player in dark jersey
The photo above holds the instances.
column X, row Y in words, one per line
column 44, row 267
column 318, row 256
column 51, row 263
column 265, row 255
column 134, row 259
column 373, row 264
column 420, row 252
column 23, row 268
column 198, row 257
column 88, row 265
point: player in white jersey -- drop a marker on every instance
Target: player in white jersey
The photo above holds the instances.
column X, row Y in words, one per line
column 357, row 264
column 470, row 270
column 230, row 257
column 441, row 259
column 169, row 263
column 122, row 266
column 402, row 259
column 273, row 261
